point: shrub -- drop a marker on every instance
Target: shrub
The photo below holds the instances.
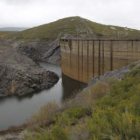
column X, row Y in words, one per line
column 56, row 133
column 71, row 116
column 45, row 115
column 99, row 90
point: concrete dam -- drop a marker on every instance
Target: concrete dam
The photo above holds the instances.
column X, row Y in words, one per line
column 82, row 59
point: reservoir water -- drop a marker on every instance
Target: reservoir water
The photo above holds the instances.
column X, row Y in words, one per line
column 15, row 111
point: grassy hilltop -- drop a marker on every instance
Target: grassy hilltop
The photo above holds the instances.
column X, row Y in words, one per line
column 77, row 25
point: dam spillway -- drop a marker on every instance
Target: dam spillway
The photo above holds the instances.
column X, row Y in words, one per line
column 82, row 59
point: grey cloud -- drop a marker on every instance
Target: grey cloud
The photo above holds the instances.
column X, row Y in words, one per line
column 17, row 2
column 35, row 12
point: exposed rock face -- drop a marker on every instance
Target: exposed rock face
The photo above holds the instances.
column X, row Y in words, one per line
column 19, row 74
column 18, row 82
column 117, row 75
column 41, row 50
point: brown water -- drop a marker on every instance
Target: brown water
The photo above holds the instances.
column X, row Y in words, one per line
column 17, row 110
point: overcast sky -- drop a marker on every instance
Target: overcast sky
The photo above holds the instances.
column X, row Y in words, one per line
column 29, row 13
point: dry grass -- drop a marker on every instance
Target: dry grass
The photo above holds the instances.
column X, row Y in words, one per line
column 89, row 96
column 80, row 132
column 99, row 90
column 44, row 116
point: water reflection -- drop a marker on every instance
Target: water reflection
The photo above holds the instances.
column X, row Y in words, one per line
column 17, row 110
column 70, row 87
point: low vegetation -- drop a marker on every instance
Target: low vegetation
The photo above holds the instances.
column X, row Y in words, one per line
column 5, row 34
column 107, row 111
column 76, row 26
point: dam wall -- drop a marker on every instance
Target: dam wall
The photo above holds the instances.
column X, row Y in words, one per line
column 82, row 59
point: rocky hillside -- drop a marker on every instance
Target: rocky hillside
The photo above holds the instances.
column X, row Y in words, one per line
column 41, row 43
column 19, row 74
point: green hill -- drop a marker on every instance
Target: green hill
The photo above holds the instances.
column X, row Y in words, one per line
column 77, row 26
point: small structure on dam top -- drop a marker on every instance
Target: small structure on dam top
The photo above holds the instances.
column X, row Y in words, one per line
column 82, row 59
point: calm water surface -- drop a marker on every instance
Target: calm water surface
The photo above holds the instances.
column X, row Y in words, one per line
column 17, row 110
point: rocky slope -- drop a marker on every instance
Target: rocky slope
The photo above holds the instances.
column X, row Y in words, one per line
column 19, row 74
column 41, row 50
